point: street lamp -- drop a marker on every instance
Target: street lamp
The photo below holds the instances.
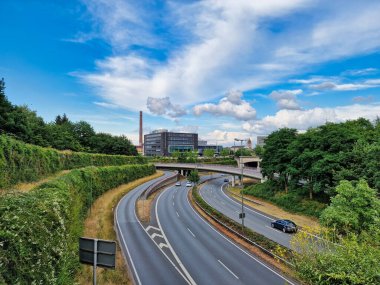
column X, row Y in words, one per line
column 242, row 214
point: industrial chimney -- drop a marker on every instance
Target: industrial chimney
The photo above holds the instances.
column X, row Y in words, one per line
column 141, row 131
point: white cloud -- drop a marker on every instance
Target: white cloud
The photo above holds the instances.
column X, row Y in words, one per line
column 224, row 137
column 163, row 106
column 360, row 72
column 304, row 119
column 286, row 99
column 186, row 129
column 106, row 105
column 232, row 105
column 340, row 87
column 361, row 99
column 223, row 45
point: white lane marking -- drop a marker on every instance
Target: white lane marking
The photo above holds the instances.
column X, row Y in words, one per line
column 177, row 214
column 221, row 188
column 125, row 244
column 191, row 232
column 151, row 227
column 161, row 245
column 156, row 235
column 229, row 270
column 189, row 278
column 167, row 257
column 258, row 261
column 173, row 204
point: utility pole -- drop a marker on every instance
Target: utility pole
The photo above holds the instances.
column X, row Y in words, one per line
column 242, row 214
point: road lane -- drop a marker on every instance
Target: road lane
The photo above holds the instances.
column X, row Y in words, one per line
column 208, row 256
column 147, row 263
column 212, row 193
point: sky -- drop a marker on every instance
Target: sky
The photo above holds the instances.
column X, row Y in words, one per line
column 222, row 68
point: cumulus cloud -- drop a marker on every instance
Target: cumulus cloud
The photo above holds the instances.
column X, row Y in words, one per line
column 163, row 106
column 232, row 105
column 286, row 99
column 304, row 119
column 225, row 137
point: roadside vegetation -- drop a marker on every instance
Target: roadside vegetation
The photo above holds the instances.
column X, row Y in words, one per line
column 39, row 230
column 63, row 134
column 99, row 223
column 331, row 172
column 21, row 162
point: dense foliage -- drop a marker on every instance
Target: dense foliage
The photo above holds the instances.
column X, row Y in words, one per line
column 39, row 230
column 323, row 156
column 62, row 134
column 20, row 162
column 354, row 209
column 194, row 176
column 348, row 252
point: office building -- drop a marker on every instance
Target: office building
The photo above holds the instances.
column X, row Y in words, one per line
column 164, row 143
column 261, row 140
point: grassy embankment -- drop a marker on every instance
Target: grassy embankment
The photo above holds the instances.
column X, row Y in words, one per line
column 100, row 224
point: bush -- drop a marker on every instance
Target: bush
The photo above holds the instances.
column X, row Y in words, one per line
column 39, row 230
column 21, row 162
column 292, row 201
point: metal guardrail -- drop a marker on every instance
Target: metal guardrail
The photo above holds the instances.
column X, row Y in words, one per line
column 266, row 251
column 157, row 185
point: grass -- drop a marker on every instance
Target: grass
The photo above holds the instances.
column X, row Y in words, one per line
column 273, row 210
column 99, row 224
column 293, row 202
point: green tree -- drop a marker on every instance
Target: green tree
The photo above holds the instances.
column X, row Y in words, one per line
column 208, row 152
column 5, row 106
column 194, row 176
column 225, row 152
column 259, row 150
column 354, row 209
column 244, row 152
column 278, row 155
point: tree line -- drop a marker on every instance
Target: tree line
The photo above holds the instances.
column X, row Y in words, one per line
column 63, row 134
column 320, row 158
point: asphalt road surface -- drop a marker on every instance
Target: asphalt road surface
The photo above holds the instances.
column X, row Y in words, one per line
column 146, row 260
column 214, row 194
column 208, row 256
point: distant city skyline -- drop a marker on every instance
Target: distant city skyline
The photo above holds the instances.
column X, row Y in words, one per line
column 222, row 69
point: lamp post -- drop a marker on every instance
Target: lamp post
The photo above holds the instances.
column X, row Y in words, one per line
column 242, row 214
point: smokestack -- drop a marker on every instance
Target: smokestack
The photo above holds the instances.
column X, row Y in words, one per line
column 141, row 130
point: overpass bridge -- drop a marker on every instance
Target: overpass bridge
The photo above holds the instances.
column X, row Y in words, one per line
column 234, row 171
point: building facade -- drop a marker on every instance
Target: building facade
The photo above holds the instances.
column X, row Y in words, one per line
column 261, row 140
column 164, row 143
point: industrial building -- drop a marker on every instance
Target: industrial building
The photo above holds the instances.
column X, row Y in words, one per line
column 164, row 143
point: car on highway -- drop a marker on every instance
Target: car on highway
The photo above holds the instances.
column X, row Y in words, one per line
column 285, row 226
column 189, row 184
column 178, row 183
column 226, row 180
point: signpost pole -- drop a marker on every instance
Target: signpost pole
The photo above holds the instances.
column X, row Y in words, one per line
column 95, row 260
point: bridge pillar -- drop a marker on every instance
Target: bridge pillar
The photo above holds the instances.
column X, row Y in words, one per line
column 181, row 172
column 233, row 180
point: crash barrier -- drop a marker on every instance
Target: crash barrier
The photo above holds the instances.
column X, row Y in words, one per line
column 263, row 240
column 158, row 185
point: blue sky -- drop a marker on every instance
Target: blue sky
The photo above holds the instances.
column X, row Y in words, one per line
column 224, row 69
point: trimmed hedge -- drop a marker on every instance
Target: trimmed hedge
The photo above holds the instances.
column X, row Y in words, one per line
column 39, row 230
column 21, row 162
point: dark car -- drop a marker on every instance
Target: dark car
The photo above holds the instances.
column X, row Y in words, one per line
column 226, row 180
column 285, row 226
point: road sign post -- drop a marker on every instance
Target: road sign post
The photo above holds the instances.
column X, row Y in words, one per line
column 97, row 252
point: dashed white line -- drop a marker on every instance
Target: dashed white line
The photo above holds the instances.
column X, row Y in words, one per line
column 229, row 270
column 173, row 204
column 177, row 214
column 191, row 232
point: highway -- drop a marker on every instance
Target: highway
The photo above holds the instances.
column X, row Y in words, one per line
column 208, row 256
column 214, row 194
column 146, row 261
